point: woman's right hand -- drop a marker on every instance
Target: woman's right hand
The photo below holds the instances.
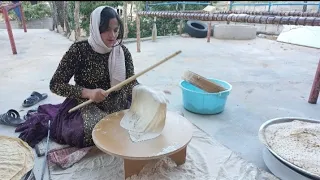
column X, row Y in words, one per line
column 96, row 95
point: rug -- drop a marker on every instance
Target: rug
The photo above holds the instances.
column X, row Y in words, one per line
column 206, row 159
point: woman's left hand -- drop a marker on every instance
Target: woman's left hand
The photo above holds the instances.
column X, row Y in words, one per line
column 96, row 95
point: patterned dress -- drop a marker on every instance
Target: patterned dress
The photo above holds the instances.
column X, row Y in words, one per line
column 90, row 70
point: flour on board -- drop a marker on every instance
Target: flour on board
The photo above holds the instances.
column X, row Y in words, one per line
column 147, row 115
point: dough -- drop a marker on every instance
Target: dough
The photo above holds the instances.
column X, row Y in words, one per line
column 147, row 115
column 16, row 158
column 298, row 142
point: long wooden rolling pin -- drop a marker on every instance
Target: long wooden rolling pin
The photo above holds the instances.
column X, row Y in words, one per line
column 126, row 81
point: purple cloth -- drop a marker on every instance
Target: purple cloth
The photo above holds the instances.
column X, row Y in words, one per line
column 65, row 127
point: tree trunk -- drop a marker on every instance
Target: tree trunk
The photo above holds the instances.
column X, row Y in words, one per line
column 66, row 19
column 131, row 11
column 76, row 20
column 60, row 13
column 54, row 15
column 304, row 9
column 125, row 19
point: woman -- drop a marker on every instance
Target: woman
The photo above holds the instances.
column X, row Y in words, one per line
column 96, row 64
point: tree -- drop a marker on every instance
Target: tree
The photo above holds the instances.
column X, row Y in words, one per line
column 125, row 19
column 54, row 15
column 76, row 20
column 131, row 7
column 66, row 20
column 60, row 13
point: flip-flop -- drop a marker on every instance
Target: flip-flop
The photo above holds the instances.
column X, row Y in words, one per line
column 33, row 99
column 11, row 118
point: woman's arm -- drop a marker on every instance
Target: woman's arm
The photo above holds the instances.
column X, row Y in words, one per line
column 59, row 83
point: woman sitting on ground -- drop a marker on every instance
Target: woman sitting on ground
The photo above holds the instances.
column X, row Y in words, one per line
column 96, row 64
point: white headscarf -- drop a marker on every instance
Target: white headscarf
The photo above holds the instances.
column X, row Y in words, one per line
column 116, row 61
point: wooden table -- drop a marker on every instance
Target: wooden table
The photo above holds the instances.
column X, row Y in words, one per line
column 4, row 9
column 112, row 139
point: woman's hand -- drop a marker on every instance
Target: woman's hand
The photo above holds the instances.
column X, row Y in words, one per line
column 96, row 95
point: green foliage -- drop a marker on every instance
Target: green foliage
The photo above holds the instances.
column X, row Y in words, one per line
column 33, row 12
column 164, row 26
column 86, row 7
column 146, row 25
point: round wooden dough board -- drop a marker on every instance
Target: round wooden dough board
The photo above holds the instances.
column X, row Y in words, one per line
column 111, row 138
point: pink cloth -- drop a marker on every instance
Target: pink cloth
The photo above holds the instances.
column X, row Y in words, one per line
column 67, row 157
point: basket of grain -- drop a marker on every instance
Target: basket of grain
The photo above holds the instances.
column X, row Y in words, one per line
column 295, row 142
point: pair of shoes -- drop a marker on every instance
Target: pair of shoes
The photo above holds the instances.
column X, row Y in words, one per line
column 11, row 118
column 34, row 98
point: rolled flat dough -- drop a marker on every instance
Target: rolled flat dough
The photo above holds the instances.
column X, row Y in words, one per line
column 298, row 142
column 16, row 158
column 147, row 115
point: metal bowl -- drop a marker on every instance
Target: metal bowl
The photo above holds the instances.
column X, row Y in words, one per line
column 284, row 120
column 279, row 169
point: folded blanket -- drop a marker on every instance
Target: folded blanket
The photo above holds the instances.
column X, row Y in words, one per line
column 206, row 159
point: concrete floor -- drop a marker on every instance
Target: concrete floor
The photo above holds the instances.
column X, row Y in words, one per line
column 269, row 80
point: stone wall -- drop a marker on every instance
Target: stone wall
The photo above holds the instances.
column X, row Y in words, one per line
column 270, row 29
column 44, row 23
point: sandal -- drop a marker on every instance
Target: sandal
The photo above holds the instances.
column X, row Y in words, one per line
column 33, row 99
column 11, row 118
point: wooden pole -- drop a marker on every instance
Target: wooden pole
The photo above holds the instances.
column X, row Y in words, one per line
column 9, row 29
column 181, row 21
column 154, row 30
column 261, row 13
column 138, row 33
column 315, row 90
column 255, row 19
column 180, row 27
column 130, row 79
column 23, row 20
column 209, row 31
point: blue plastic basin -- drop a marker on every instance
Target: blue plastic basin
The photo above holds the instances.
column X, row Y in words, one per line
column 198, row 101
